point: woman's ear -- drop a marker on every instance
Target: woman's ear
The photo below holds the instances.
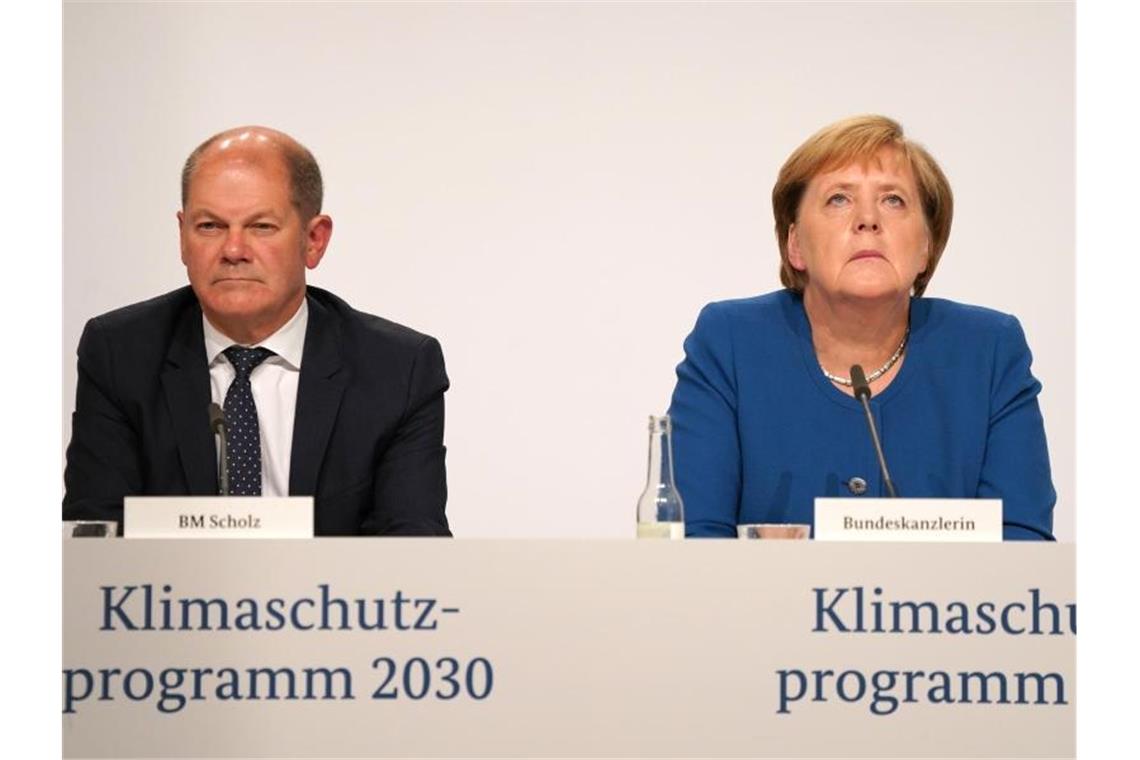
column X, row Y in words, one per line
column 795, row 255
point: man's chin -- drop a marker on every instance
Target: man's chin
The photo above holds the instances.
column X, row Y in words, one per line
column 243, row 313
column 232, row 305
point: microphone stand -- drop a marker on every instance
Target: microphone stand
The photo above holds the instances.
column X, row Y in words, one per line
column 218, row 427
column 863, row 393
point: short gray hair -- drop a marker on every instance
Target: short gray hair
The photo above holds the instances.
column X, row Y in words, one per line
column 307, row 189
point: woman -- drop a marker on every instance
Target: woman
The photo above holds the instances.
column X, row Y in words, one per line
column 764, row 415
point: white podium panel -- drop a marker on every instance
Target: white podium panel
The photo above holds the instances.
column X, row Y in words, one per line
column 556, row 648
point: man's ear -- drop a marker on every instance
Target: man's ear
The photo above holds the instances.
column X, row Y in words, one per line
column 181, row 237
column 318, row 232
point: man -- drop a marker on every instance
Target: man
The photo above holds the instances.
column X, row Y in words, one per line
column 343, row 405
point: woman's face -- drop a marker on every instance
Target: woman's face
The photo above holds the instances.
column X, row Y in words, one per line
column 860, row 232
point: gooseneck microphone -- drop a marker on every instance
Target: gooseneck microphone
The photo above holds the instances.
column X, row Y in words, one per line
column 863, row 393
column 218, row 427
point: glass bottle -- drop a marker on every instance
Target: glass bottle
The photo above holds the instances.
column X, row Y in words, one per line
column 660, row 512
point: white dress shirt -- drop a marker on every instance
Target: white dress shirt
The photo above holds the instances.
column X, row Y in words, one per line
column 274, row 386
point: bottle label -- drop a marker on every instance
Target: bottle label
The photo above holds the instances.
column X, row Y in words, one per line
column 661, row 530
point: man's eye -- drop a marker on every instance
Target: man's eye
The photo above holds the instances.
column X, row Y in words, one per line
column 264, row 226
column 208, row 226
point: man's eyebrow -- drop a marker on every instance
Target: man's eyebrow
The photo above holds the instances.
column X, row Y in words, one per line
column 206, row 213
column 266, row 213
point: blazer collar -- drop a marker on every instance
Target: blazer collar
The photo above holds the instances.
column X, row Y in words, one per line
column 319, row 391
column 186, row 386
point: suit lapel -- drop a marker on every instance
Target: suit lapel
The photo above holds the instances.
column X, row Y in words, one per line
column 319, row 392
column 186, row 385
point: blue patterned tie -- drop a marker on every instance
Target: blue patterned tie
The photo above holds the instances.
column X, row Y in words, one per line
column 243, row 434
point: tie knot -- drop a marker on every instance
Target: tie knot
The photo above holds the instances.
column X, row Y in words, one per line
column 245, row 359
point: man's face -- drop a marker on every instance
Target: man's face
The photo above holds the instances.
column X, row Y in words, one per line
column 244, row 244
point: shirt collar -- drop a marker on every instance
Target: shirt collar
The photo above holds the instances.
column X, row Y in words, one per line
column 288, row 343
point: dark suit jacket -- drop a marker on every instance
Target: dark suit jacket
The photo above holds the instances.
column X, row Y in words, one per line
column 367, row 439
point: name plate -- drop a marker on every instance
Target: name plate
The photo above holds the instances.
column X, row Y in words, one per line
column 938, row 520
column 218, row 517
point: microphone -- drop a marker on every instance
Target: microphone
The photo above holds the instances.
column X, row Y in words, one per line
column 218, row 427
column 863, row 393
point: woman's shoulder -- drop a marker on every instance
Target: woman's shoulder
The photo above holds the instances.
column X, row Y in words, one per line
column 777, row 304
column 964, row 330
column 942, row 314
column 752, row 326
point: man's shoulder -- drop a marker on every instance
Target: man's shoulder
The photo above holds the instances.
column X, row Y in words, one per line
column 132, row 342
column 362, row 327
column 155, row 315
column 146, row 325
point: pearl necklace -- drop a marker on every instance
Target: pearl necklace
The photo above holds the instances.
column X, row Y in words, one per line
column 877, row 373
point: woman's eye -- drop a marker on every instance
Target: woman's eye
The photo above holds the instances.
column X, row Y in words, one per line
column 838, row 199
column 894, row 201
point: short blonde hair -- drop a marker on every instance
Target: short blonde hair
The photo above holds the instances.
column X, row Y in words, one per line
column 845, row 142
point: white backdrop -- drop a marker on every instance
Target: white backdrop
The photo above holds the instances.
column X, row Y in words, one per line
column 554, row 191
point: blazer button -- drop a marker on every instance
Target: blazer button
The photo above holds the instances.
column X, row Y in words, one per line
column 857, row 486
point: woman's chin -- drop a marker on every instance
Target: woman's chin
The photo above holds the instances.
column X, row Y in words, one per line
column 874, row 289
column 865, row 292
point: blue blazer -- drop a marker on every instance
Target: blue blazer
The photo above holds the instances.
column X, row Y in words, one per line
column 758, row 432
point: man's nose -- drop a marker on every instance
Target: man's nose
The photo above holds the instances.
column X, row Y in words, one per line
column 233, row 247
